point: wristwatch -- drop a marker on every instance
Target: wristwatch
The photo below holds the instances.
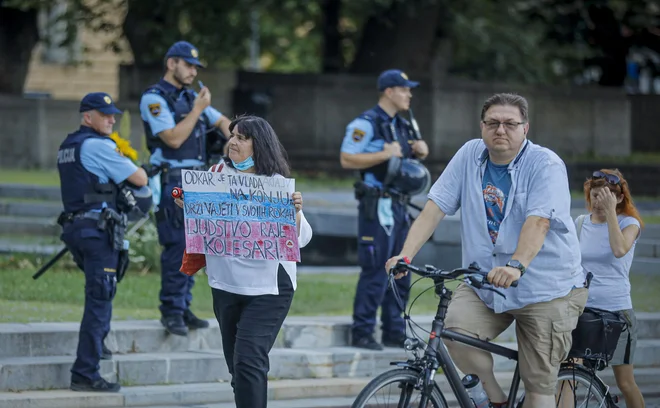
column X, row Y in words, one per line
column 516, row 264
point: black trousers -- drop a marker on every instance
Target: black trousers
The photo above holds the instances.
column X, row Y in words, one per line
column 249, row 326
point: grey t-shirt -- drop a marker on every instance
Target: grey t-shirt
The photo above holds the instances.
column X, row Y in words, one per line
column 610, row 286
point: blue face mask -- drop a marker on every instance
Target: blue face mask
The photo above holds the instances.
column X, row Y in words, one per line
column 244, row 165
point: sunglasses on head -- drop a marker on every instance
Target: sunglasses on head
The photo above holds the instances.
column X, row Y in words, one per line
column 610, row 178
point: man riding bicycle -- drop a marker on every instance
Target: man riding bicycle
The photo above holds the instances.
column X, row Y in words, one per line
column 515, row 221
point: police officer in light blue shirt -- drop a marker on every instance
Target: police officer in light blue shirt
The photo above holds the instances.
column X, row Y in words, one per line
column 371, row 141
column 177, row 122
column 91, row 169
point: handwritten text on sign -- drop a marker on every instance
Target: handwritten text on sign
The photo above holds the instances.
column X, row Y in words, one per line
column 240, row 215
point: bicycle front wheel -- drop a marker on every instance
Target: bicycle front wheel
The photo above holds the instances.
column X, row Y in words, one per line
column 398, row 388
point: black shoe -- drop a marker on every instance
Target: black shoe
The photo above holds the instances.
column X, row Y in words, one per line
column 174, row 325
column 367, row 342
column 194, row 322
column 397, row 341
column 99, row 385
column 106, row 354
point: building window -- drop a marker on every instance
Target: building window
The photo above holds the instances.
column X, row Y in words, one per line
column 60, row 40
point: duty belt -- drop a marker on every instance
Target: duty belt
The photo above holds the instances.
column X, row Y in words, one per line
column 80, row 215
column 362, row 190
column 402, row 198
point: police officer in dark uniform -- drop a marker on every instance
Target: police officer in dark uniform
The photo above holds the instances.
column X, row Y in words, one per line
column 377, row 143
column 93, row 174
column 177, row 123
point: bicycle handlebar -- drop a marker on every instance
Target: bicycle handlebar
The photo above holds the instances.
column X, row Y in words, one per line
column 473, row 274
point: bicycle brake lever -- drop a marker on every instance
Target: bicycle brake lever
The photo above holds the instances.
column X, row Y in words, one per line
column 390, row 280
column 474, row 281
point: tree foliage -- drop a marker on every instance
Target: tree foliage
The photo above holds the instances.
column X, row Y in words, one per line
column 529, row 41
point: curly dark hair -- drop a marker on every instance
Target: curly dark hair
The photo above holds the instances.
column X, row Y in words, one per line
column 269, row 155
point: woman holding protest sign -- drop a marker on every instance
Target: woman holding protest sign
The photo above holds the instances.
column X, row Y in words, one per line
column 251, row 297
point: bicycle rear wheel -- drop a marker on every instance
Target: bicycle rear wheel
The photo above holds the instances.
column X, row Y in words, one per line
column 579, row 387
column 397, row 388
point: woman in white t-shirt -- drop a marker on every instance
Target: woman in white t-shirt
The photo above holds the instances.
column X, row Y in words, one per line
column 252, row 297
column 608, row 235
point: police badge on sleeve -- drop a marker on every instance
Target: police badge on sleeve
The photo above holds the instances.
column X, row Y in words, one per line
column 358, row 135
column 154, row 109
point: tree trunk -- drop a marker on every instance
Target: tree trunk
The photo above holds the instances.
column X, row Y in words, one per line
column 333, row 59
column 606, row 34
column 143, row 27
column 404, row 37
column 19, row 34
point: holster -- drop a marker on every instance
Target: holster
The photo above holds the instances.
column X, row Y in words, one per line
column 63, row 218
column 368, row 197
column 122, row 264
column 116, row 224
column 164, row 174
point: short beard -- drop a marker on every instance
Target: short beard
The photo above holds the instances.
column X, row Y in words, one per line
column 178, row 79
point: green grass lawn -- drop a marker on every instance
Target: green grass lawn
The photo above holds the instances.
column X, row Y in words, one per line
column 59, row 294
column 36, row 177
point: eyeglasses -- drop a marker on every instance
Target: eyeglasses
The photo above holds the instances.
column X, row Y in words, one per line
column 495, row 124
column 610, row 178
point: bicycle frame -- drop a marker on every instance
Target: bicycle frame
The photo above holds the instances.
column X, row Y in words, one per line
column 436, row 354
column 438, row 351
column 451, row 373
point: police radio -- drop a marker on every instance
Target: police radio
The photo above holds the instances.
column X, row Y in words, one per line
column 413, row 121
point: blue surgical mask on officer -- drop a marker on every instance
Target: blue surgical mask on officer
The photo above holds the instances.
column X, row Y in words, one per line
column 244, row 165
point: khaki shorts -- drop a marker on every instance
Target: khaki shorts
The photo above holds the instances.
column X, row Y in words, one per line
column 543, row 331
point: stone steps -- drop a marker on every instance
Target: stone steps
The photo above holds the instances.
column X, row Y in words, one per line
column 39, row 373
column 9, row 247
column 34, row 226
column 645, row 266
column 305, row 393
column 42, row 373
column 149, row 336
column 46, row 209
column 31, row 192
column 648, row 248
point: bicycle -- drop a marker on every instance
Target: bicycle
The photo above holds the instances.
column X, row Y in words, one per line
column 418, row 374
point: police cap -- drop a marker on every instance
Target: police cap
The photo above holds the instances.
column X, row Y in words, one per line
column 186, row 51
column 99, row 101
column 394, row 77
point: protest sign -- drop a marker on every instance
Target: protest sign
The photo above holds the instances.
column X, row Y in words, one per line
column 240, row 215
